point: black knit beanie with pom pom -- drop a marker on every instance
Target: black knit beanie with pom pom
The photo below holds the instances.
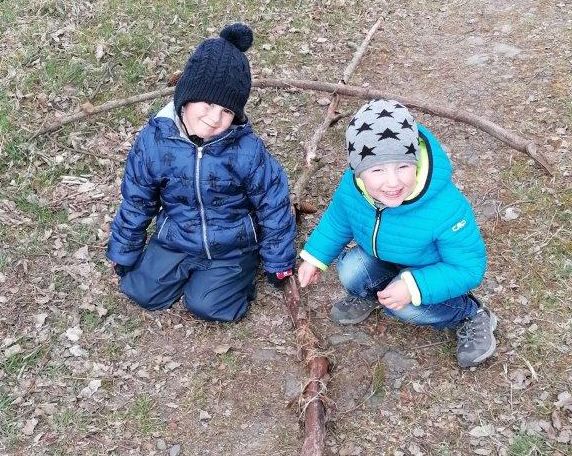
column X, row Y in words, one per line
column 218, row 71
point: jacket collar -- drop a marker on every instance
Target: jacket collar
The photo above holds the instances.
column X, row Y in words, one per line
column 169, row 125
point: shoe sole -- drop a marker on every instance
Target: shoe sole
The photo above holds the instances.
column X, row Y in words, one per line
column 353, row 321
column 491, row 350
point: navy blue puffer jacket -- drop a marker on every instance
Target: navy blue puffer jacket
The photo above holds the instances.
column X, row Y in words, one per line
column 218, row 201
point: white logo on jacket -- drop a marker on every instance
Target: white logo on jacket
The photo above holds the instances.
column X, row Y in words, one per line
column 459, row 225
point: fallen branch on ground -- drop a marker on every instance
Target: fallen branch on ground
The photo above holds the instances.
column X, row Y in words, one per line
column 511, row 139
column 314, row 399
column 313, row 395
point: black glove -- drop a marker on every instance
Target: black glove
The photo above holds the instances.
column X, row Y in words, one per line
column 278, row 279
column 121, row 270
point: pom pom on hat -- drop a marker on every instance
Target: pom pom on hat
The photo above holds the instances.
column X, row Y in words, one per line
column 238, row 34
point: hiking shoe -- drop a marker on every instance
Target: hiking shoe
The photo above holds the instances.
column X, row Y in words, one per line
column 475, row 339
column 353, row 309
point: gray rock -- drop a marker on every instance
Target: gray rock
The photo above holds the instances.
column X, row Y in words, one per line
column 175, row 450
column 264, row 355
column 359, row 337
column 477, row 59
column 506, row 50
column 161, row 445
column 292, row 386
column 397, row 366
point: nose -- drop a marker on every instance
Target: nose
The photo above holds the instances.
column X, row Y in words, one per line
column 392, row 179
column 215, row 113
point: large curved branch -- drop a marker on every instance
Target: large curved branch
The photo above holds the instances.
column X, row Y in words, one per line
column 512, row 139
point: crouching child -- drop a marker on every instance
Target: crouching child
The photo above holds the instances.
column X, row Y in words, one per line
column 418, row 249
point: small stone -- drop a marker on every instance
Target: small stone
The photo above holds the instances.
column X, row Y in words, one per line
column 477, row 59
column 161, row 445
column 175, row 450
column 13, row 350
column 29, row 427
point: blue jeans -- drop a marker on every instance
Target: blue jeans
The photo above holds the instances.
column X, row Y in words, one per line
column 363, row 275
column 218, row 290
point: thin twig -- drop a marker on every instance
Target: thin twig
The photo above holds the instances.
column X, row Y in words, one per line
column 110, row 105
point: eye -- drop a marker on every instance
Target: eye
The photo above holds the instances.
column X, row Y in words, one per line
column 228, row 111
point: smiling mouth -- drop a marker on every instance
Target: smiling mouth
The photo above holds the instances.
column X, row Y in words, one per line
column 393, row 194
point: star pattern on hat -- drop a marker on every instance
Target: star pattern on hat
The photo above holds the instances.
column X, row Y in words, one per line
column 352, row 123
column 368, row 108
column 384, row 113
column 387, row 133
column 365, row 151
column 398, row 106
column 406, row 124
column 365, row 126
column 351, row 147
column 410, row 149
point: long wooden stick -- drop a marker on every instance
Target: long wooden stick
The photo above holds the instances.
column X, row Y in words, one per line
column 313, row 396
column 314, row 411
column 511, row 139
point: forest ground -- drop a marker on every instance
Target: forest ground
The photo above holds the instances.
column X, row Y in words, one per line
column 84, row 371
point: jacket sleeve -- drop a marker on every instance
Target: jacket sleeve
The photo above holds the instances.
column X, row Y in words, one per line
column 141, row 202
column 267, row 189
column 462, row 265
column 331, row 235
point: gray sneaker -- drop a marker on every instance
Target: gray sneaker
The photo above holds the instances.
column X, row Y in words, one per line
column 475, row 339
column 352, row 310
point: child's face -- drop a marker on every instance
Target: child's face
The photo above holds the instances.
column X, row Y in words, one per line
column 390, row 183
column 206, row 119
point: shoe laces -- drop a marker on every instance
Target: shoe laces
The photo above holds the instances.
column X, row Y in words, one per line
column 358, row 302
column 471, row 330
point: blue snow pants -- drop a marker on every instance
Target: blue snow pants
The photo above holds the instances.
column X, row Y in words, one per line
column 219, row 290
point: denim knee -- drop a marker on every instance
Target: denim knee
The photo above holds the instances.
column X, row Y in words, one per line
column 362, row 274
column 448, row 314
column 352, row 273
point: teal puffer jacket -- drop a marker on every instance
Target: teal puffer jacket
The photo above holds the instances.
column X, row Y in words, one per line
column 434, row 235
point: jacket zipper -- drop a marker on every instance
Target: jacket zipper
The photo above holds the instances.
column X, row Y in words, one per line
column 375, row 232
column 253, row 229
column 200, row 200
column 162, row 226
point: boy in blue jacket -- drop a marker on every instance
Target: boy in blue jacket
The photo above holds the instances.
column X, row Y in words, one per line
column 419, row 250
column 220, row 199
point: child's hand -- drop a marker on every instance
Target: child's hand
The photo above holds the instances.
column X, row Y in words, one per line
column 308, row 274
column 395, row 296
column 278, row 279
column 120, row 270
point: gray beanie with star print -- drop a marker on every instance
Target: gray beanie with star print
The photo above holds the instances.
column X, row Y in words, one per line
column 381, row 131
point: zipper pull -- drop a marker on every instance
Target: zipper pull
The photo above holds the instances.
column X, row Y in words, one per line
column 200, row 152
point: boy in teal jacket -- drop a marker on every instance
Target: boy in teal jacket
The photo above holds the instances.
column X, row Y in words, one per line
column 419, row 250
